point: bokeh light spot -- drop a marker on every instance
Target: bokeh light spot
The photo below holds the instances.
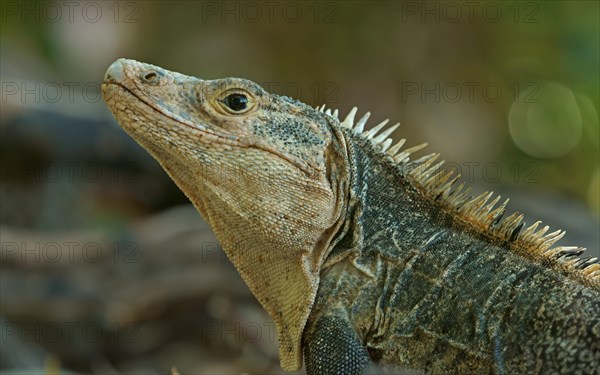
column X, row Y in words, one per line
column 546, row 123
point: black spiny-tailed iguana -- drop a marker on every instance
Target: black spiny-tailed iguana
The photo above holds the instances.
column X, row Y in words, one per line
column 361, row 255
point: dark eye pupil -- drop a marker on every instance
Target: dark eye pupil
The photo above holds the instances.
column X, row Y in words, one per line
column 237, row 102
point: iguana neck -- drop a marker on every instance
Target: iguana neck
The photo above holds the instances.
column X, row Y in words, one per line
column 382, row 200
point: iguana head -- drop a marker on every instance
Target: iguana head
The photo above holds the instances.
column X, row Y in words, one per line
column 266, row 172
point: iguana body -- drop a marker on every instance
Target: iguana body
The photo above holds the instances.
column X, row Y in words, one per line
column 361, row 256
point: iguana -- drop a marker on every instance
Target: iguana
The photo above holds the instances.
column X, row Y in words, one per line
column 363, row 257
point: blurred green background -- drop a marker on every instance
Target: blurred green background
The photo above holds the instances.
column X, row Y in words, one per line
column 96, row 238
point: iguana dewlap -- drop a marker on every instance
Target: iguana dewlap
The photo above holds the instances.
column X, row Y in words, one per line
column 363, row 257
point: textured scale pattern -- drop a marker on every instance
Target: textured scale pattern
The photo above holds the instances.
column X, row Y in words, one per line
column 426, row 296
column 440, row 186
column 334, row 348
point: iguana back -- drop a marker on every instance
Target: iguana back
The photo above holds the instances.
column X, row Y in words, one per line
column 428, row 292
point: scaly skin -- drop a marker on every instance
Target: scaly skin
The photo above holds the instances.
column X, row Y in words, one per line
column 426, row 295
column 364, row 259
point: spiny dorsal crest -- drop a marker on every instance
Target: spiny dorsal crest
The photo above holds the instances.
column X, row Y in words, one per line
column 482, row 212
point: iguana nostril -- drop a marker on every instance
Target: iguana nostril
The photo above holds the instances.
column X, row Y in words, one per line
column 150, row 76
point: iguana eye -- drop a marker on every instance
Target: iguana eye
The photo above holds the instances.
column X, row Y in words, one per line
column 236, row 102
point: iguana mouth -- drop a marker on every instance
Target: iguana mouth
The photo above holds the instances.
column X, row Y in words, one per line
column 199, row 130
